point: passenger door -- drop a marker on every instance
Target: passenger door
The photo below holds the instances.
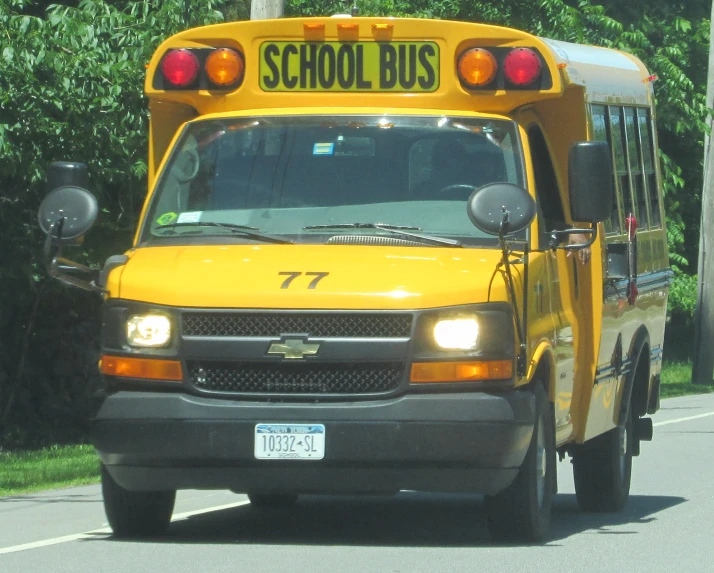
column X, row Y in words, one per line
column 560, row 283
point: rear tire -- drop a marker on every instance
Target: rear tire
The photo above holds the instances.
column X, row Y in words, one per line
column 136, row 513
column 602, row 469
column 272, row 501
column 522, row 511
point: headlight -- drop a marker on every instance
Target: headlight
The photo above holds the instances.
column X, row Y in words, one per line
column 456, row 333
column 149, row 330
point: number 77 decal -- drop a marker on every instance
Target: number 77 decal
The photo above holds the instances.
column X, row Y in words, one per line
column 293, row 275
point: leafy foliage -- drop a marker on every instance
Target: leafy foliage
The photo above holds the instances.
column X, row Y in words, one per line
column 70, row 88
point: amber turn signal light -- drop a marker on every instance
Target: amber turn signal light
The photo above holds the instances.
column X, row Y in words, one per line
column 148, row 368
column 224, row 67
column 431, row 372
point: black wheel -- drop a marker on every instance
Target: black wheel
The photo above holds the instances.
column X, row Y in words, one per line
column 602, row 468
column 273, row 500
column 521, row 512
column 136, row 513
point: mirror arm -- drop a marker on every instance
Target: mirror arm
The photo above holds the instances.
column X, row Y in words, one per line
column 58, row 269
column 55, row 232
column 520, row 324
column 557, row 236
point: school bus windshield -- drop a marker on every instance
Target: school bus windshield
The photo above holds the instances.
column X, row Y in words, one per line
column 280, row 175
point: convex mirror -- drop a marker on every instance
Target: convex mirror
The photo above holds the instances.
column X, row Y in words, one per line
column 486, row 208
column 68, row 201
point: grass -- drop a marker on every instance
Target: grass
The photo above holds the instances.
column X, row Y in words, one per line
column 58, row 466
column 677, row 381
column 63, row 466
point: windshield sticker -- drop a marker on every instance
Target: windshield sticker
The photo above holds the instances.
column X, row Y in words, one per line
column 323, row 149
column 166, row 219
column 190, row 217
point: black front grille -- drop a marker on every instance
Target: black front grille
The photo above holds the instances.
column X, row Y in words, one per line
column 303, row 378
column 332, row 325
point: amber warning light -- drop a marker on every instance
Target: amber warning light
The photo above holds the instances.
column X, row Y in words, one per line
column 224, row 67
column 477, row 67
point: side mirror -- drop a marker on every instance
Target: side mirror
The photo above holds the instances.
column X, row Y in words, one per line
column 591, row 181
column 501, row 209
column 69, row 210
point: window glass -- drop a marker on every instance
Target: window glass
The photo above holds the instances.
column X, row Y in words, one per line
column 635, row 160
column 600, row 133
column 622, row 177
column 550, row 204
column 282, row 174
column 643, row 118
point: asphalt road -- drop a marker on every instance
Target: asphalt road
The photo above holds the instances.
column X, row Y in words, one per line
column 667, row 526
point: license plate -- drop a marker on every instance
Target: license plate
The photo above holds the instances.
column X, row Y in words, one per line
column 289, row 441
column 349, row 66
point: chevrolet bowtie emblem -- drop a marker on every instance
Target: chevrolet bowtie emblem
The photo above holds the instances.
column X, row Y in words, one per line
column 293, row 348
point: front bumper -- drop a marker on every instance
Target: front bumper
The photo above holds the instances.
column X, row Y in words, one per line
column 462, row 442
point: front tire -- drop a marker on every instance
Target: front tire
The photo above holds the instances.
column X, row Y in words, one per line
column 602, row 469
column 522, row 511
column 136, row 513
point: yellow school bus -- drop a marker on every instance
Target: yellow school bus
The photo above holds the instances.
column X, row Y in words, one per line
column 379, row 255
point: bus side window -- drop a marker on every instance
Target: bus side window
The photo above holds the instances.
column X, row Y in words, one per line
column 643, row 119
column 550, row 205
column 635, row 161
column 601, row 132
column 622, row 176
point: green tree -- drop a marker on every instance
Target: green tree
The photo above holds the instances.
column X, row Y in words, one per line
column 71, row 84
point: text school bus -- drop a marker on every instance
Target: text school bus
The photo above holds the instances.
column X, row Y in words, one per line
column 381, row 255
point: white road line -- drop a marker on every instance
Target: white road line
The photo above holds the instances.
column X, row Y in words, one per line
column 107, row 531
column 677, row 420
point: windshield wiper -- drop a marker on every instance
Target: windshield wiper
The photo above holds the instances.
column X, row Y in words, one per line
column 396, row 229
column 244, row 230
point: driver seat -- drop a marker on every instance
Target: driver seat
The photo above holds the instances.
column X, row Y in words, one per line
column 449, row 166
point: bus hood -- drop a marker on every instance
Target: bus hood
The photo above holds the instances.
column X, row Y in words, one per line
column 308, row 276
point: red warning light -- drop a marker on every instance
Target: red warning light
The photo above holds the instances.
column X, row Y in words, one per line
column 180, row 68
column 522, row 66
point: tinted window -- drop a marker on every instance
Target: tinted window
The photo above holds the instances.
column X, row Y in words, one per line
column 280, row 174
column 622, row 178
column 550, row 204
column 601, row 133
column 637, row 176
column 643, row 118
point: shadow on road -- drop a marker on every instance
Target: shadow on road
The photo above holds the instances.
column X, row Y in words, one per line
column 405, row 520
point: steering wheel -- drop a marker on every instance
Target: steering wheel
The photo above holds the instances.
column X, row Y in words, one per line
column 457, row 191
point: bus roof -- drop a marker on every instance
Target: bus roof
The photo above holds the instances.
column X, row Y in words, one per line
column 283, row 47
